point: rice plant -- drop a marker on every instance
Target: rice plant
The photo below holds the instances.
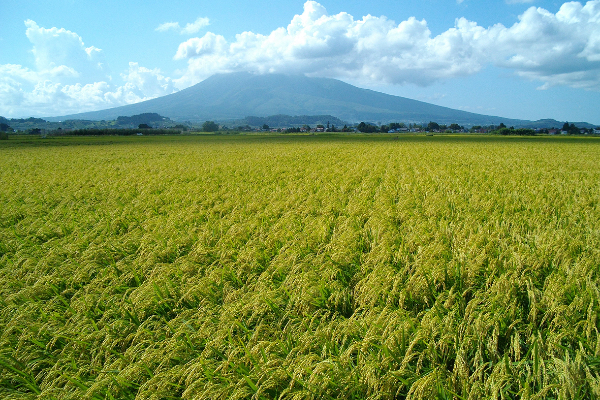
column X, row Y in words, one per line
column 281, row 267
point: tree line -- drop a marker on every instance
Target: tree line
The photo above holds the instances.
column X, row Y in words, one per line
column 366, row 127
column 118, row 132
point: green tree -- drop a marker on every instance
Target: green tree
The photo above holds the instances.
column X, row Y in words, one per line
column 144, row 126
column 265, row 127
column 573, row 130
column 433, row 126
column 367, row 128
column 210, row 126
column 570, row 129
column 182, row 128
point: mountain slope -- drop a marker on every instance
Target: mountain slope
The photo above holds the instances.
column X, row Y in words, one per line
column 237, row 95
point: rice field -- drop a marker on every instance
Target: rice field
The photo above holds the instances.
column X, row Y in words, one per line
column 311, row 267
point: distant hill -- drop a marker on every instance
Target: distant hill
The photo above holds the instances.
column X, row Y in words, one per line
column 228, row 97
column 145, row 118
column 286, row 121
column 552, row 123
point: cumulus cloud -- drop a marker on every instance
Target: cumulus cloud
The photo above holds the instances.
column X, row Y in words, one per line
column 315, row 43
column 149, row 83
column 557, row 49
column 62, row 54
column 69, row 77
column 188, row 29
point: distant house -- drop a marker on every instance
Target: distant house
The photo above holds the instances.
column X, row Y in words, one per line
column 552, row 131
column 597, row 131
column 398, row 130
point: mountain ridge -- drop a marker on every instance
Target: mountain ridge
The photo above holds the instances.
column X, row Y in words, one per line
column 234, row 96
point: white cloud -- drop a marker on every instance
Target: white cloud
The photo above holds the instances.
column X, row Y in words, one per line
column 195, row 26
column 188, row 29
column 207, row 45
column 149, row 83
column 167, row 26
column 62, row 53
column 70, row 78
column 315, row 43
column 557, row 49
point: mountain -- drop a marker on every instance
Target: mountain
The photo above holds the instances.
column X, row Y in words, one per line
column 227, row 97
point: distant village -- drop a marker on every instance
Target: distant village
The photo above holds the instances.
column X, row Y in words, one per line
column 152, row 123
column 432, row 127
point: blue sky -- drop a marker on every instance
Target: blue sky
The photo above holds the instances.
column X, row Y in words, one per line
column 512, row 58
